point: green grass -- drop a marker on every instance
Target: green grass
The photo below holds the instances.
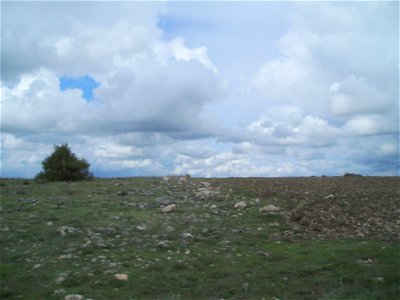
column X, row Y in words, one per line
column 233, row 254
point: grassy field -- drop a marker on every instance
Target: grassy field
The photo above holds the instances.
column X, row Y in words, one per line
column 323, row 238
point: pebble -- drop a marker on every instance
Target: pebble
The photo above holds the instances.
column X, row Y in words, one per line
column 240, row 205
column 141, row 227
column 74, row 297
column 269, row 208
column 122, row 277
column 168, row 208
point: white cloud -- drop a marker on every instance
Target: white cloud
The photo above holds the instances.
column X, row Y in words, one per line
column 306, row 88
column 177, row 49
column 355, row 96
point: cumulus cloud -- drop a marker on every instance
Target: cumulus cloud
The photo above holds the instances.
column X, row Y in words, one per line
column 300, row 89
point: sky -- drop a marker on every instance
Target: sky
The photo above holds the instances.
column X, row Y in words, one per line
column 210, row 89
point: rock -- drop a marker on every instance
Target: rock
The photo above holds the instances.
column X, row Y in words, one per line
column 168, row 208
column 163, row 200
column 122, row 193
column 269, row 208
column 49, row 223
column 64, row 230
column 166, row 179
column 183, row 179
column 142, row 227
column 162, row 244
column 329, row 197
column 186, row 235
column 240, row 205
column 187, row 252
column 214, row 207
column 122, row 277
column 60, row 278
column 59, row 291
column 206, row 184
column 378, row 279
column 74, row 297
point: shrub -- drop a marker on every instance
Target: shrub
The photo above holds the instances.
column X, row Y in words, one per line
column 63, row 165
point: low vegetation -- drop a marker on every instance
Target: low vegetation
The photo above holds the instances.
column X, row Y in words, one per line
column 185, row 238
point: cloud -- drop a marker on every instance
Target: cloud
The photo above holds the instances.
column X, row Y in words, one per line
column 297, row 89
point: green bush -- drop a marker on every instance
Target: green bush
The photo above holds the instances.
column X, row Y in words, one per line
column 63, row 165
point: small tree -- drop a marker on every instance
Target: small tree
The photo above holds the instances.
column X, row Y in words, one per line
column 63, row 165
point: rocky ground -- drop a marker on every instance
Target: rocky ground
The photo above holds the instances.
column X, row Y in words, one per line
column 78, row 236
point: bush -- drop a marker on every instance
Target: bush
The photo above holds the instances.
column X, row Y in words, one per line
column 63, row 165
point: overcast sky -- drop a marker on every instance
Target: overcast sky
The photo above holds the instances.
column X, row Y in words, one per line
column 212, row 89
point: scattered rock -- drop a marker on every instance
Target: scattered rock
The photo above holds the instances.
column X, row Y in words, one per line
column 378, row 279
column 122, row 277
column 168, row 208
column 142, row 227
column 74, row 297
column 59, row 291
column 269, row 208
column 163, row 200
column 60, row 278
column 162, row 244
column 240, row 205
column 186, row 235
column 64, row 230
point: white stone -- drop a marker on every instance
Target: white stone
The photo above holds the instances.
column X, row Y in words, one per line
column 240, row 205
column 74, row 297
column 141, row 227
column 168, row 208
column 269, row 208
column 186, row 235
column 122, row 277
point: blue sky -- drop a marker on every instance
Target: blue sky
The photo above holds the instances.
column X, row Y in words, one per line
column 212, row 89
column 85, row 83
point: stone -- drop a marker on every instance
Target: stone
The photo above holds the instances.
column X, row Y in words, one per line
column 187, row 252
column 162, row 244
column 269, row 208
column 168, row 208
column 142, row 227
column 49, row 223
column 74, row 297
column 186, row 235
column 163, row 200
column 329, row 197
column 122, row 277
column 166, row 179
column 59, row 291
column 183, row 179
column 240, row 205
column 64, row 230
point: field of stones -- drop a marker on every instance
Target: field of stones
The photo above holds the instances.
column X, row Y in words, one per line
column 195, row 238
